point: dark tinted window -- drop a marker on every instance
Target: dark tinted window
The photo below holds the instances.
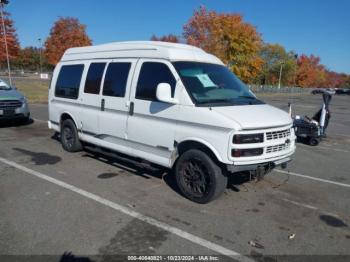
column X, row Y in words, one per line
column 68, row 81
column 115, row 79
column 151, row 75
column 94, row 77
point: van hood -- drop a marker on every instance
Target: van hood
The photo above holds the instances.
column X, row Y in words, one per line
column 10, row 94
column 255, row 116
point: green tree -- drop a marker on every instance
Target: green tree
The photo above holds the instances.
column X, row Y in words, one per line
column 29, row 59
column 275, row 56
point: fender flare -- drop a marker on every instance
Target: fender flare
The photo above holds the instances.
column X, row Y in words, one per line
column 71, row 116
column 200, row 141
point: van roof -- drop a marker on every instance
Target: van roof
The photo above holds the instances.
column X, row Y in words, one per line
column 141, row 49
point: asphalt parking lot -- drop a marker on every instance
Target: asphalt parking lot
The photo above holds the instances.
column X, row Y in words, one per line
column 52, row 202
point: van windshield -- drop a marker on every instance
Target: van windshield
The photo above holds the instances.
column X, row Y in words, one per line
column 213, row 85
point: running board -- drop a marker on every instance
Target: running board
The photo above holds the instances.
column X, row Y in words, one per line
column 121, row 157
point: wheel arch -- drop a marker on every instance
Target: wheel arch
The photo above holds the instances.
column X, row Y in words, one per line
column 66, row 115
column 194, row 143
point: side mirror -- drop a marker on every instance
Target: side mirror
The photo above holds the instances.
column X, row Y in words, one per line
column 164, row 93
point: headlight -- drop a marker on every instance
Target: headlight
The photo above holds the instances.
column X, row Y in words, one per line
column 23, row 100
column 248, row 138
column 247, row 152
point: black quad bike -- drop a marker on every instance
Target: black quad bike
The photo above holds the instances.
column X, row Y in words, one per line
column 312, row 130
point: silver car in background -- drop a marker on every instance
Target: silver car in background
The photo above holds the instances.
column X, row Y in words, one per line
column 13, row 104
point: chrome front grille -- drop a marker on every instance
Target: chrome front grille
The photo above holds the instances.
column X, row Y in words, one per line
column 10, row 104
column 277, row 148
column 278, row 134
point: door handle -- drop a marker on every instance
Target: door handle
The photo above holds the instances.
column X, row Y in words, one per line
column 102, row 105
column 131, row 108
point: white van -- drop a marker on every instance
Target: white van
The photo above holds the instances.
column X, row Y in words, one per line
column 170, row 104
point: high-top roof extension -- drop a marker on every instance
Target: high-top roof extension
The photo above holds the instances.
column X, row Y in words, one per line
column 141, row 49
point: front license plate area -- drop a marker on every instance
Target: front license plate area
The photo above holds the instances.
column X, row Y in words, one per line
column 8, row 112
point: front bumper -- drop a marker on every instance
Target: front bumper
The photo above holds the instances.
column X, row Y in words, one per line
column 254, row 167
column 19, row 112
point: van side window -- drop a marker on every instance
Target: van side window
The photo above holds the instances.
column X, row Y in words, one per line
column 151, row 74
column 94, row 77
column 68, row 81
column 116, row 79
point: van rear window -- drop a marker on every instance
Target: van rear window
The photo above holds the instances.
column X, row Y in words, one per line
column 93, row 78
column 68, row 81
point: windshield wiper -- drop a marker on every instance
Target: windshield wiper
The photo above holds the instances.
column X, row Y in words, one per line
column 213, row 101
column 248, row 97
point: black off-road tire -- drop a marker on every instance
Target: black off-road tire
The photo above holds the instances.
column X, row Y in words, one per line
column 69, row 137
column 199, row 177
column 314, row 141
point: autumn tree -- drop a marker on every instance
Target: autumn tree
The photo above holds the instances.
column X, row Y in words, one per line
column 310, row 72
column 275, row 56
column 166, row 38
column 66, row 33
column 227, row 36
column 336, row 80
column 346, row 81
column 11, row 39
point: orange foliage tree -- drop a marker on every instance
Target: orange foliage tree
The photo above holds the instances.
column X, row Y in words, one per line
column 310, row 72
column 11, row 38
column 227, row 36
column 66, row 33
column 334, row 79
column 166, row 38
